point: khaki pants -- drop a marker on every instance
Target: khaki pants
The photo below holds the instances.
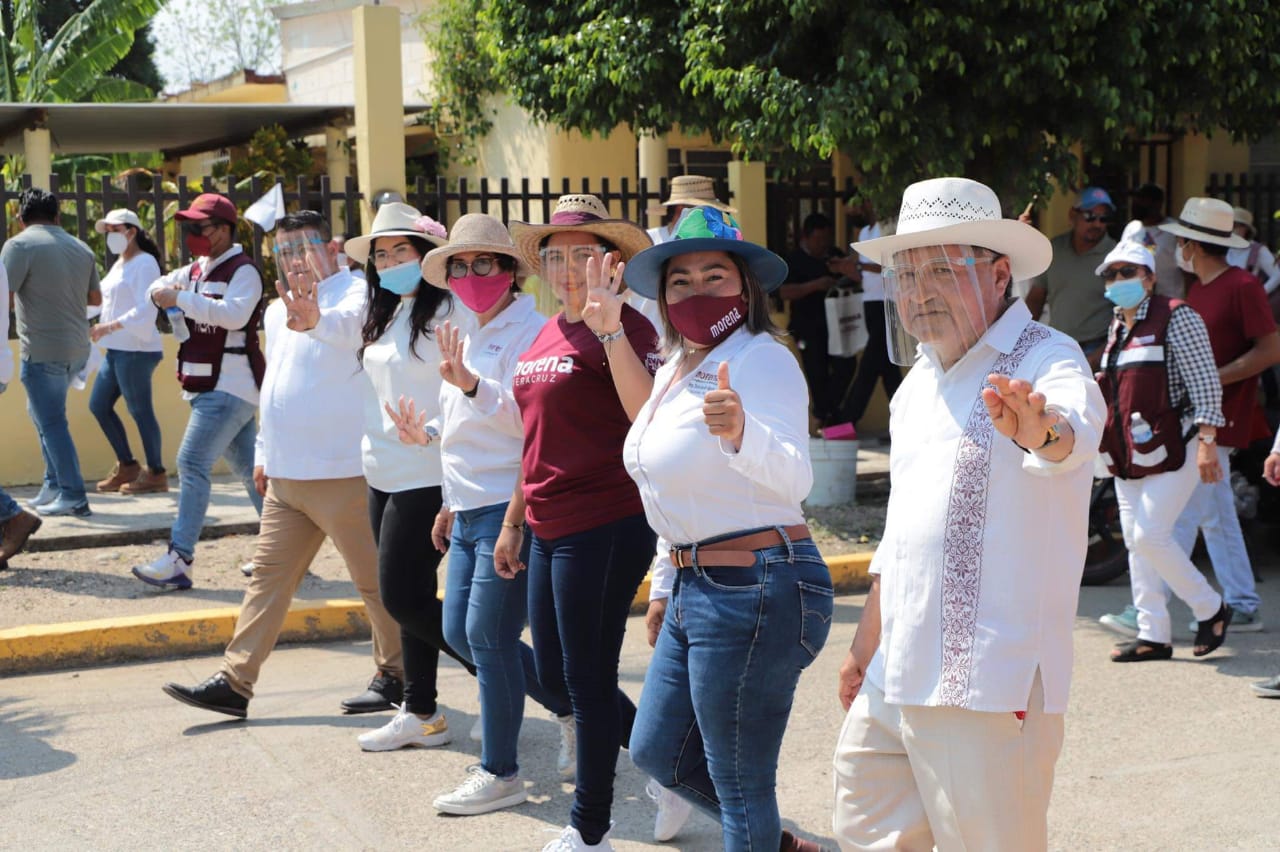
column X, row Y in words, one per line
column 297, row 514
column 916, row 777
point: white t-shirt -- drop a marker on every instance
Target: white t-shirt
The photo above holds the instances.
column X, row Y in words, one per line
column 984, row 544
column 309, row 427
column 482, row 437
column 124, row 300
column 872, row 282
column 693, row 485
column 393, row 371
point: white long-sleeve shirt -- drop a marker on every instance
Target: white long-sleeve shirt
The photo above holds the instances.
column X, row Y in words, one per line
column 125, row 300
column 693, row 485
column 310, row 426
column 1267, row 270
column 393, row 371
column 481, row 438
column 984, row 544
column 232, row 312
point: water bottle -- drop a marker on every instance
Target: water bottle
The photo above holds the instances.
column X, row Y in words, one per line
column 1139, row 428
column 179, row 324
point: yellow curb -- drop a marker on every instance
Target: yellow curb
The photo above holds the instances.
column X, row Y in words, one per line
column 83, row 643
column 42, row 647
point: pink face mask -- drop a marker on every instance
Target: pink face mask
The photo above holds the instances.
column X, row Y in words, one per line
column 480, row 292
column 707, row 320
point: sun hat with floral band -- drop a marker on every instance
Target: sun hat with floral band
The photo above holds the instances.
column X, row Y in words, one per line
column 396, row 219
column 703, row 229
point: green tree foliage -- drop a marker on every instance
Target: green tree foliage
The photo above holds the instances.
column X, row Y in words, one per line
column 74, row 62
column 996, row 89
column 137, row 65
column 270, row 154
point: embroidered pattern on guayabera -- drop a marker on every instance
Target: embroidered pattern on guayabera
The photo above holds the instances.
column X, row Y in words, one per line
column 966, row 523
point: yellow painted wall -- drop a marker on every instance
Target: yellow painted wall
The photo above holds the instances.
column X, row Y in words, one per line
column 1224, row 155
column 20, row 461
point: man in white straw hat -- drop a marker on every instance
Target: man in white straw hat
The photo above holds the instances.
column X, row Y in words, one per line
column 685, row 191
column 1242, row 332
column 957, row 678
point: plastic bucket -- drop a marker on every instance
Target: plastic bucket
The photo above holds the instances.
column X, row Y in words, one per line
column 835, row 472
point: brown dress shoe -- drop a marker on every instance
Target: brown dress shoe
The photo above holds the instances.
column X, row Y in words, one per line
column 147, row 482
column 15, row 532
column 120, row 475
column 791, row 843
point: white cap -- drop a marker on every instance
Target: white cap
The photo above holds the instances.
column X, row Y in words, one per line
column 119, row 216
column 1129, row 251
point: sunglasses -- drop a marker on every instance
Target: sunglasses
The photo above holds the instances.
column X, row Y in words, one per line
column 1123, row 272
column 1097, row 217
column 198, row 229
column 481, row 266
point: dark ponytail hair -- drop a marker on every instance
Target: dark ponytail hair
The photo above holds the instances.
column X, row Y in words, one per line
column 145, row 243
column 382, row 304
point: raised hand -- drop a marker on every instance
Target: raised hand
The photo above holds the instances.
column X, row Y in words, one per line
column 1017, row 411
column 410, row 424
column 299, row 297
column 722, row 409
column 603, row 309
column 452, row 368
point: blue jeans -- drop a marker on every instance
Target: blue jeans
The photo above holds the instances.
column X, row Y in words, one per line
column 580, row 591
column 718, row 691
column 128, row 374
column 221, row 425
column 1212, row 510
column 47, row 383
column 8, row 508
column 484, row 615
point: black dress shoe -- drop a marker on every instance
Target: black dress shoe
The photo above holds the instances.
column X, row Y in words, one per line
column 385, row 691
column 214, row 694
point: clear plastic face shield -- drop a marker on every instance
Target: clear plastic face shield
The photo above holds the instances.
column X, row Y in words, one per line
column 944, row 297
column 303, row 252
column 564, row 266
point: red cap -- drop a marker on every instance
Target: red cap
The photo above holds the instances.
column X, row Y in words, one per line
column 209, row 205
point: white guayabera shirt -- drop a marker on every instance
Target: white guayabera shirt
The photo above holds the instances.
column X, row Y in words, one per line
column 984, row 544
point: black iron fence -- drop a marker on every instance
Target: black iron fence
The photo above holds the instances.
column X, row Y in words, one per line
column 525, row 200
column 790, row 202
column 1258, row 193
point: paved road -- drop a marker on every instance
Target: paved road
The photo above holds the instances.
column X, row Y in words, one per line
column 1159, row 756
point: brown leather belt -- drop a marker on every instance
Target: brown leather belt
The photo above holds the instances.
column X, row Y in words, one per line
column 738, row 552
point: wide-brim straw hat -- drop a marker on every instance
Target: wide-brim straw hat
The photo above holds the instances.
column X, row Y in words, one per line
column 478, row 232
column 119, row 216
column 703, row 228
column 1244, row 216
column 1207, row 220
column 691, row 191
column 959, row 211
column 396, row 219
column 580, row 213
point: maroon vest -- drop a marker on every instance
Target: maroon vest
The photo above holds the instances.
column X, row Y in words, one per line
column 208, row 343
column 1134, row 379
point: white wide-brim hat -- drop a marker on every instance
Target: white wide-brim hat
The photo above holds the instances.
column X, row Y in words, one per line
column 959, row 211
column 119, row 216
column 396, row 219
column 1207, row 220
column 473, row 232
column 1128, row 251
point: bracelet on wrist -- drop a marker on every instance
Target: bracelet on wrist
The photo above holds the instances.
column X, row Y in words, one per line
column 611, row 336
column 513, row 526
column 471, row 394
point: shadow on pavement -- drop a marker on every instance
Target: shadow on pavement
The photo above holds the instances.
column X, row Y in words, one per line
column 25, row 752
column 356, row 721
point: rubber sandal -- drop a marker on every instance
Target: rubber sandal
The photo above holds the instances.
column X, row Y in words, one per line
column 1207, row 641
column 1140, row 650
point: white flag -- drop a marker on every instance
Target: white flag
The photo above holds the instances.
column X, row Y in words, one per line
column 266, row 210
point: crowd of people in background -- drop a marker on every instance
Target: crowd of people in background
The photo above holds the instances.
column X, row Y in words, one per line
column 661, row 420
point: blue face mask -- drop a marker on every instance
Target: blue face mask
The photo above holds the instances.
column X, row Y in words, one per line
column 1127, row 294
column 401, row 279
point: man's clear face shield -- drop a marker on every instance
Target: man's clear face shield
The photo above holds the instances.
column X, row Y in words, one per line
column 303, row 252
column 941, row 296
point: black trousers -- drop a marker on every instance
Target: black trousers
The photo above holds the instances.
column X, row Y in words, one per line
column 407, row 563
column 875, row 365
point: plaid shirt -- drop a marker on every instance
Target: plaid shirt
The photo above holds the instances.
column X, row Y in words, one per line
column 1191, row 371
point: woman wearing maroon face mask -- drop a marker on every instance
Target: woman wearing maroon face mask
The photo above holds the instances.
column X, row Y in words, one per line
column 721, row 455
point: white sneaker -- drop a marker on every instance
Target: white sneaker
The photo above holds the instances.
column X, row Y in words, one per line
column 481, row 793
column 247, row 568
column 673, row 811
column 567, row 761
column 571, row 841
column 477, row 730
column 407, row 729
column 169, row 572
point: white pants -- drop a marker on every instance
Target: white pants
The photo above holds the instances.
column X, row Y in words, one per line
column 1149, row 509
column 915, row 777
